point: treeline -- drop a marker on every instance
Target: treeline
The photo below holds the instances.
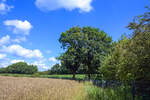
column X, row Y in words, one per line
column 127, row 60
column 60, row 69
column 20, row 68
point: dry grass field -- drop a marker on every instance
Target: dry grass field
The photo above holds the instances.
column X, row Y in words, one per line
column 18, row 88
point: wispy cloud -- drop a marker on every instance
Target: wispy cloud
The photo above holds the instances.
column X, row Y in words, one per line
column 2, row 56
column 4, row 8
column 4, row 40
column 52, row 59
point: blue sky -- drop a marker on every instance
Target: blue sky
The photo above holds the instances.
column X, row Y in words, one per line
column 30, row 29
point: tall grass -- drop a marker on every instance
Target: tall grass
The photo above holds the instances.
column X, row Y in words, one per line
column 21, row 88
column 116, row 93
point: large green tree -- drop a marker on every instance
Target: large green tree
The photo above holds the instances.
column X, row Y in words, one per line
column 86, row 45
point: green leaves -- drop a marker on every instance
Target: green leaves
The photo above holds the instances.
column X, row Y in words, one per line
column 86, row 46
column 130, row 57
column 20, row 68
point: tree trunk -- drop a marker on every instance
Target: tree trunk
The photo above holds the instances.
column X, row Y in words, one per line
column 89, row 70
column 74, row 75
column 89, row 76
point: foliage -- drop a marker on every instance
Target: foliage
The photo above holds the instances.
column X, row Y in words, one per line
column 58, row 69
column 96, row 46
column 86, row 46
column 116, row 93
column 71, row 41
column 20, row 68
column 70, row 61
column 112, row 67
column 129, row 61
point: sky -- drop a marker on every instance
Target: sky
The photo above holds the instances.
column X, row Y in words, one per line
column 30, row 29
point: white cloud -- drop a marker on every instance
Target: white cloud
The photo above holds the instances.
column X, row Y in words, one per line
column 53, row 59
column 5, row 40
column 48, row 5
column 3, row 64
column 48, row 51
column 2, row 56
column 19, row 26
column 22, row 52
column 16, row 61
column 41, row 65
column 4, row 8
column 19, row 39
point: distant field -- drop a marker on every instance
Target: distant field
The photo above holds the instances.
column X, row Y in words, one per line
column 22, row 88
column 78, row 76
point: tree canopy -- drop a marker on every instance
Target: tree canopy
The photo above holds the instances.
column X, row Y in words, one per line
column 20, row 68
column 86, row 46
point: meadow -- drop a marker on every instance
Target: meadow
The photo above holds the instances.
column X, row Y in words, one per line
column 23, row 88
column 29, row 88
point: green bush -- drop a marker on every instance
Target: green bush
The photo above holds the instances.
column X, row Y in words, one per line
column 116, row 93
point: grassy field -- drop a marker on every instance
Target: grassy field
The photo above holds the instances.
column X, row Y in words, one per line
column 28, row 88
column 22, row 88
column 78, row 76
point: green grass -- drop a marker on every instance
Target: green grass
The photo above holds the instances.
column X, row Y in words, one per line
column 92, row 92
column 78, row 76
column 99, row 93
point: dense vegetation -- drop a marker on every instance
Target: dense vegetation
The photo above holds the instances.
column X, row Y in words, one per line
column 129, row 61
column 20, row 68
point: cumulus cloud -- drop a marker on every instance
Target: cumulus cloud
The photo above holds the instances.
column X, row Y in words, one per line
column 49, row 5
column 4, row 8
column 2, row 56
column 16, row 61
column 53, row 59
column 22, row 52
column 19, row 26
column 5, row 40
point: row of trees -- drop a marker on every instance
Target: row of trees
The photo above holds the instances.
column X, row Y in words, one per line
column 127, row 60
column 20, row 68
column 60, row 69
column 130, row 58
